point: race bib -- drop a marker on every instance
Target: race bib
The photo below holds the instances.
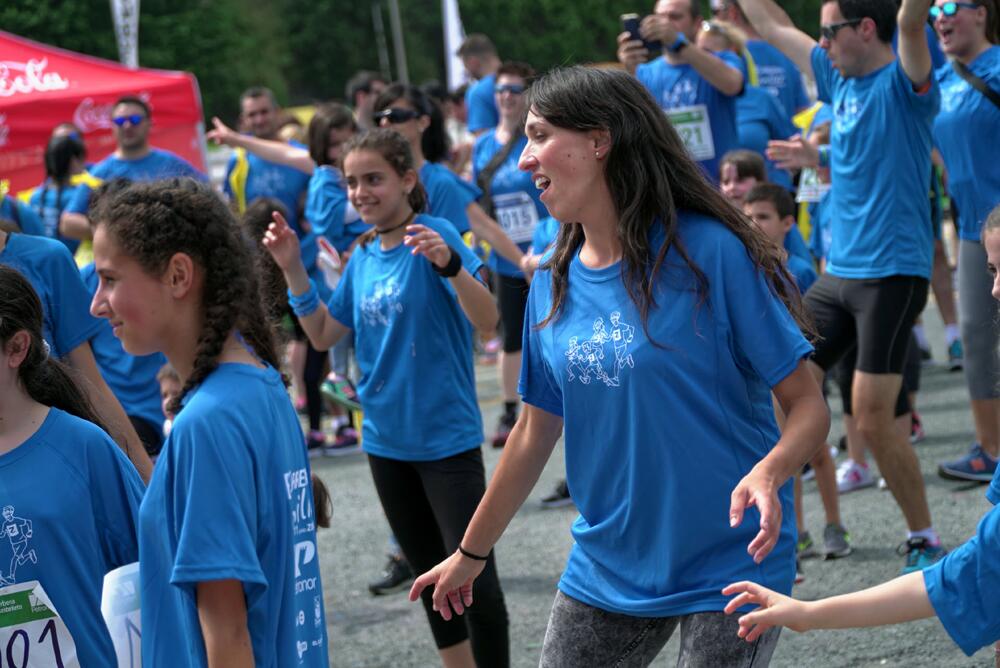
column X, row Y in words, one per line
column 32, row 635
column 517, row 215
column 811, row 189
column 120, row 609
column 695, row 128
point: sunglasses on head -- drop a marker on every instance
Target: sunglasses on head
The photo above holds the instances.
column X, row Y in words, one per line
column 830, row 30
column 394, row 116
column 133, row 119
column 513, row 89
column 950, row 9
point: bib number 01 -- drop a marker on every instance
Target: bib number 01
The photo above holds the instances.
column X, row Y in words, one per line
column 32, row 635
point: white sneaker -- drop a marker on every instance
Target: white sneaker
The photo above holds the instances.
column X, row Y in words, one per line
column 852, row 476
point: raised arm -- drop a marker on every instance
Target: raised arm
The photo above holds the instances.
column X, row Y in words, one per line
column 272, row 151
column 914, row 54
column 777, row 28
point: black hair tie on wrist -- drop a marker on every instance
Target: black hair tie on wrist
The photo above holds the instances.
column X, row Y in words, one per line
column 466, row 553
column 451, row 269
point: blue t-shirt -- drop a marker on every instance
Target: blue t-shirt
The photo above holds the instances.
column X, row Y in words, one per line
column 74, row 498
column 448, row 196
column 480, row 104
column 27, row 220
column 270, row 179
column 49, row 201
column 802, row 271
column 132, row 378
column 328, row 210
column 50, row 269
column 881, row 171
column 965, row 132
column 963, row 586
column 516, row 205
column 657, row 437
column 703, row 116
column 158, row 164
column 231, row 499
column 545, row 235
column 796, row 245
column 762, row 119
column 819, row 240
column 777, row 74
column 413, row 344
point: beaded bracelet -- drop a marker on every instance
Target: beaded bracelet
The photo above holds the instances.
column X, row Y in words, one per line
column 305, row 304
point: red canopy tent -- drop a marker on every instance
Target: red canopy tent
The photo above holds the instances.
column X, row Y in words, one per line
column 42, row 86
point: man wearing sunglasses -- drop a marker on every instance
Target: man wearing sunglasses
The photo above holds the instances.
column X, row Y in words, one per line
column 881, row 249
column 134, row 160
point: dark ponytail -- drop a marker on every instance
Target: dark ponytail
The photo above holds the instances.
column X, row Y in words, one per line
column 45, row 379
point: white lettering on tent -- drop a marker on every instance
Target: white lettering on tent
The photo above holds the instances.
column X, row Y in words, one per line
column 30, row 77
column 90, row 116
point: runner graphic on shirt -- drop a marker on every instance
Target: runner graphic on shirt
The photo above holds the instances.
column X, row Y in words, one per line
column 18, row 532
column 622, row 334
column 588, row 359
column 377, row 309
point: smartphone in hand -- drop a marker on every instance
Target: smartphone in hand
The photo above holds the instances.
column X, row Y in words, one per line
column 630, row 24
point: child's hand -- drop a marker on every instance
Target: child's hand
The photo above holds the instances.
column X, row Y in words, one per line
column 282, row 243
column 795, row 153
column 425, row 241
column 774, row 610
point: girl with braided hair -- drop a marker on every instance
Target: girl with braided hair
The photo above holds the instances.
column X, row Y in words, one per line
column 70, row 497
column 227, row 529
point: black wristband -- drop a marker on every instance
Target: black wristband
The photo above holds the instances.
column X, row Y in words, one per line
column 466, row 553
column 452, row 268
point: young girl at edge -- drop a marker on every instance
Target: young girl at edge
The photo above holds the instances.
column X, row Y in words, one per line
column 409, row 295
column 229, row 567
column 960, row 589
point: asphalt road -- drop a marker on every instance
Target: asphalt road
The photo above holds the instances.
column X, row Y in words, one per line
column 389, row 631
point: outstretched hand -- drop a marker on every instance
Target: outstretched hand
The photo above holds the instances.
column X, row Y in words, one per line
column 282, row 243
column 775, row 610
column 452, row 581
column 425, row 241
column 795, row 153
column 758, row 489
column 221, row 133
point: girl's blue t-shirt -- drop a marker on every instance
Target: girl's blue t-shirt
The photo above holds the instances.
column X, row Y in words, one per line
column 545, row 235
column 22, row 215
column 328, row 210
column 49, row 201
column 516, row 203
column 963, row 586
column 132, row 378
column 48, row 266
column 73, row 499
column 658, row 436
column 448, row 196
column 965, row 132
column 413, row 345
column 760, row 119
column 231, row 499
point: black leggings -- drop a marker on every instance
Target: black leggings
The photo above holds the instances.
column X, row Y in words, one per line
column 429, row 505
column 312, row 377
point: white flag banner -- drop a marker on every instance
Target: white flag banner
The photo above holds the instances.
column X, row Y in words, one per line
column 454, row 35
column 126, row 18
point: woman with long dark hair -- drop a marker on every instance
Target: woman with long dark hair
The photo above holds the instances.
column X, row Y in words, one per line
column 65, row 171
column 655, row 334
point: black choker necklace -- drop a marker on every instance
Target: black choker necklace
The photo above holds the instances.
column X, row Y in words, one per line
column 406, row 222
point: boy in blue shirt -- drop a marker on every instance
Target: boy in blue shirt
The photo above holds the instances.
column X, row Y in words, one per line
column 480, row 59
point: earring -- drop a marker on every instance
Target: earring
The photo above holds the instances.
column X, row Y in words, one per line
column 597, row 154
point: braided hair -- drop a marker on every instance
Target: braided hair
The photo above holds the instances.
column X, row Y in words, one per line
column 153, row 221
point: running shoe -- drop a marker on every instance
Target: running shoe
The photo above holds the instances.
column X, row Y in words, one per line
column 926, row 358
column 315, row 443
column 916, row 428
column 345, row 442
column 920, row 554
column 805, row 548
column 800, row 575
column 955, row 356
column 559, row 497
column 340, row 390
column 504, row 426
column 397, row 576
column 836, row 542
column 977, row 466
column 853, row 476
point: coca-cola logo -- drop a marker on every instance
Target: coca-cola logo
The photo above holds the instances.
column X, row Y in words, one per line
column 4, row 130
column 90, row 116
column 30, row 77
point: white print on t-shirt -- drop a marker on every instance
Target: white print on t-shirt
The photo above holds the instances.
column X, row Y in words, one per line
column 299, row 493
column 681, row 94
column 847, row 113
column 953, row 94
column 18, row 531
column 590, row 359
column 268, row 180
column 377, row 308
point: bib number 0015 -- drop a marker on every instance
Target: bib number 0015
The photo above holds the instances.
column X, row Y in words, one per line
column 32, row 635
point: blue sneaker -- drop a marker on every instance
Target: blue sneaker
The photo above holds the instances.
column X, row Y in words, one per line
column 977, row 466
column 920, row 554
column 955, row 355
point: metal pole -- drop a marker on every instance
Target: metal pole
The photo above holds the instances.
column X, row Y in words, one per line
column 380, row 45
column 397, row 41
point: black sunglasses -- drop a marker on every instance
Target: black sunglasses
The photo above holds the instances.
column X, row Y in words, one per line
column 513, row 89
column 134, row 119
column 830, row 30
column 394, row 116
column 950, row 9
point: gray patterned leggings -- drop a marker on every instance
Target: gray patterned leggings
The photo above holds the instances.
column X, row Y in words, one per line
column 580, row 636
